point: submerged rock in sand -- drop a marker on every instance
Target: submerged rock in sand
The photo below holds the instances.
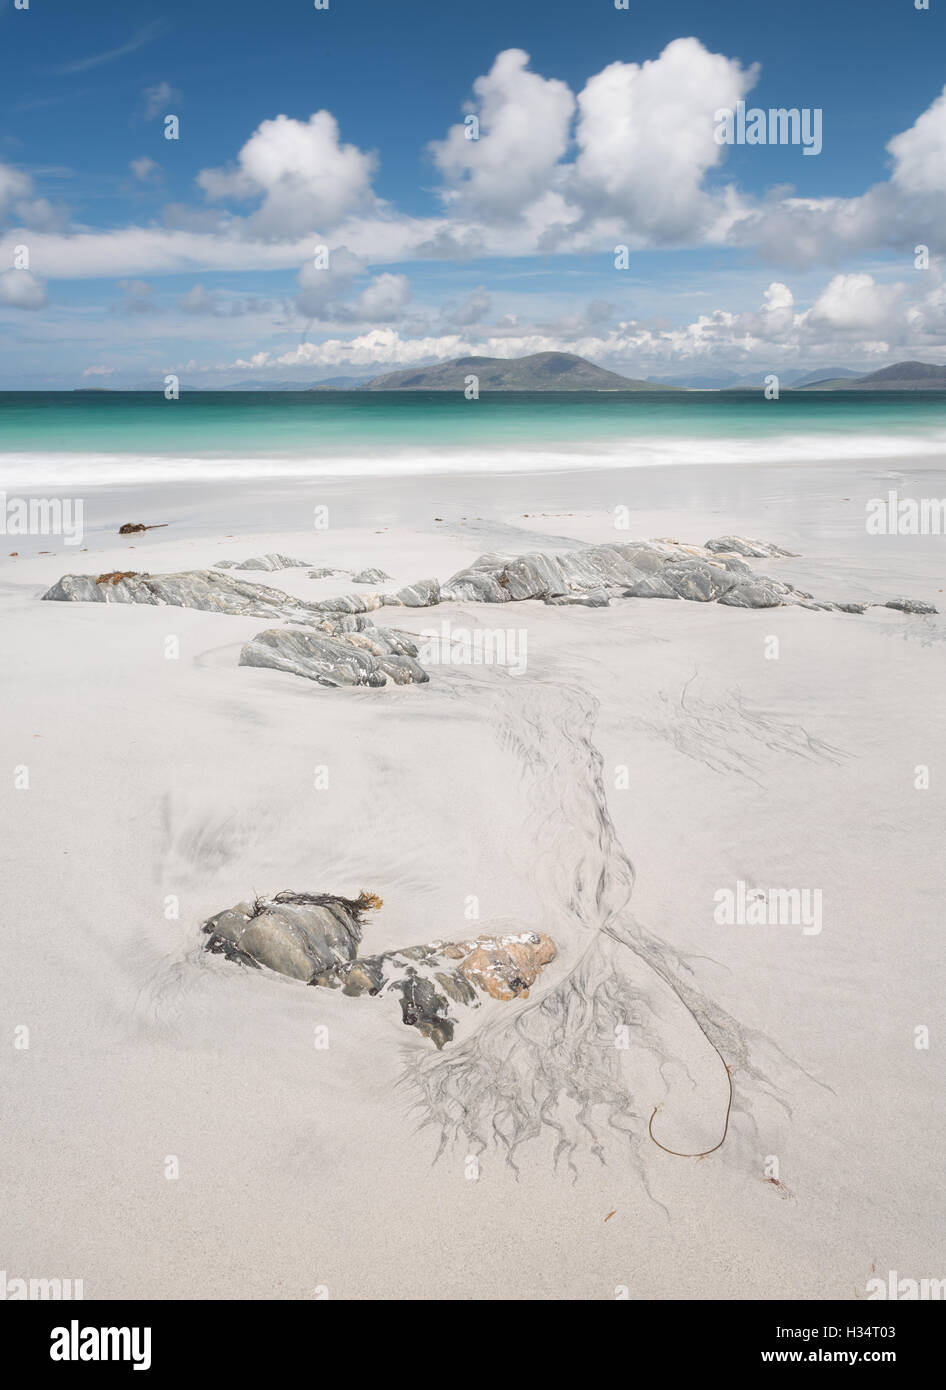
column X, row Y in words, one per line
column 370, row 656
column 264, row 562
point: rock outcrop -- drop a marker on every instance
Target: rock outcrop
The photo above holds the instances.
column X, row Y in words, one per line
column 209, row 590
column 338, row 655
column 337, row 645
column 333, row 643
column 635, row 569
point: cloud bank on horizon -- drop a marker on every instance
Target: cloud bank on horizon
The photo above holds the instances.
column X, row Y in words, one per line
column 605, row 219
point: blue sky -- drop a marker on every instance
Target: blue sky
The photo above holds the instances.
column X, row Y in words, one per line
column 144, row 255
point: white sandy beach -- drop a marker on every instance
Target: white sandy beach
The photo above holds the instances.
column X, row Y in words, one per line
column 305, row 1169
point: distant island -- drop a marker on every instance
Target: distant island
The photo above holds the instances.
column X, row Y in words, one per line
column 541, row 371
column 566, row 371
column 902, row 376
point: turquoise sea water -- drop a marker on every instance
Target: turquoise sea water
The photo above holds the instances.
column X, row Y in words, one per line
column 64, row 438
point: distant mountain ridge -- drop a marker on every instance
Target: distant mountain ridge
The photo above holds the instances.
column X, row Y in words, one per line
column 566, row 371
column 541, row 371
column 901, row 376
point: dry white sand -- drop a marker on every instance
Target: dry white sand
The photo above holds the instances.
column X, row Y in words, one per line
column 302, row 1168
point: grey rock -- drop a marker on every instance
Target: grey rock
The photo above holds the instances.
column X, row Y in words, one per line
column 753, row 550
column 638, row 569
column 204, row 589
column 370, row 657
column 698, row 580
column 478, row 583
column 315, row 936
column 347, row 603
column 424, row 593
column 428, row 978
column 370, row 577
column 336, row 623
column 296, row 934
column 424, row 1008
column 333, row 643
column 650, row 586
column 324, row 573
column 597, row 598
column 264, row 562
column 339, row 646
column 910, row 605
column 757, row 593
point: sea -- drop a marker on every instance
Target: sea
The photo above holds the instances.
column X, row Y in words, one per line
column 61, row 440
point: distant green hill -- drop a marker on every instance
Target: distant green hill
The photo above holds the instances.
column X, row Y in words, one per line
column 902, row 376
column 542, row 371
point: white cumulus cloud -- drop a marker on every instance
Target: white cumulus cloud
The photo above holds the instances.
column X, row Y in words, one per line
column 646, row 138
column 523, row 133
column 306, row 178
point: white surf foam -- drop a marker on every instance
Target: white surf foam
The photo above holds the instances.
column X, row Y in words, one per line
column 56, row 470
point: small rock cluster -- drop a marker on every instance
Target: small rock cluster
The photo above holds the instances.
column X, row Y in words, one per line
column 314, row 937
